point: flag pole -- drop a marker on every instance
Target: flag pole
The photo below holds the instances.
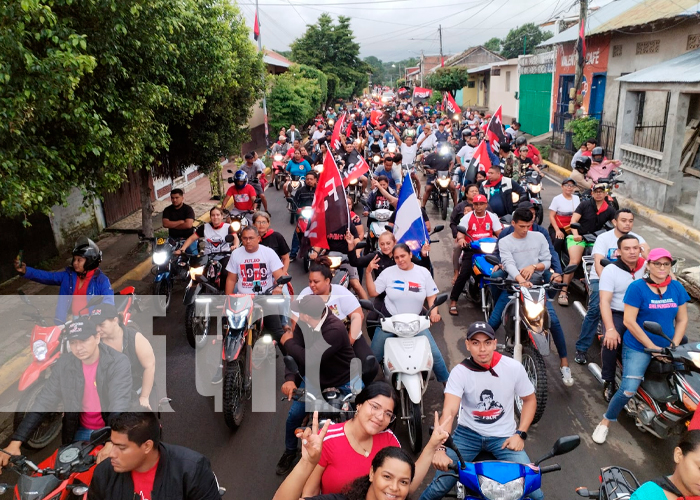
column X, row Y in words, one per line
column 264, row 99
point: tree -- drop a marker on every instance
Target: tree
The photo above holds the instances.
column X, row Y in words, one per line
column 449, row 79
column 377, row 69
column 332, row 48
column 494, row 45
column 295, row 96
column 527, row 36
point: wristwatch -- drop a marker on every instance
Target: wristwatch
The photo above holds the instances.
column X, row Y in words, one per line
column 522, row 434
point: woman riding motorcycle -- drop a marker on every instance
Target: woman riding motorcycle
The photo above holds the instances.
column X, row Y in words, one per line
column 77, row 281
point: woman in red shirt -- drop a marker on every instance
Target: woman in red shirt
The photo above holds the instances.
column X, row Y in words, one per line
column 350, row 447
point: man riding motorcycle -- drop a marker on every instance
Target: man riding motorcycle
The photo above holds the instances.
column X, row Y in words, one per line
column 243, row 195
column 436, row 163
column 297, row 166
column 580, row 173
column 304, row 197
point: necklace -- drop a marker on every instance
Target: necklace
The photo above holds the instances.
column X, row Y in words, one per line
column 365, row 452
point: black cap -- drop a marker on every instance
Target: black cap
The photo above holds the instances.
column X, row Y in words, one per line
column 480, row 327
column 568, row 179
column 102, row 312
column 526, row 204
column 80, row 330
column 311, row 305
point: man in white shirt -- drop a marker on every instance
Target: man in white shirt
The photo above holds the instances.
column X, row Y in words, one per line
column 408, row 151
column 481, row 391
column 427, row 139
column 319, row 133
column 466, row 153
column 605, row 247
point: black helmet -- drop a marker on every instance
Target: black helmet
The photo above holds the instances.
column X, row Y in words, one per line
column 598, row 154
column 520, row 141
column 583, row 164
column 87, row 249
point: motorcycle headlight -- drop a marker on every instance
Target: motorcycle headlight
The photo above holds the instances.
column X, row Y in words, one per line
column 443, row 182
column 196, row 271
column 236, row 225
column 335, row 262
column 534, row 188
column 376, row 158
column 533, row 310
column 353, row 182
column 318, row 168
column 237, row 320
column 79, row 490
column 488, row 247
column 515, row 197
column 444, row 151
column 401, row 327
column 493, row 490
column 456, row 117
column 330, row 123
column 40, row 350
column 160, row 258
column 277, row 157
column 307, row 212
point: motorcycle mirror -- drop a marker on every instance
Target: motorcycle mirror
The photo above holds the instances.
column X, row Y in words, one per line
column 100, row 436
column 3, row 488
column 230, row 180
column 440, row 299
column 289, row 199
column 462, row 229
column 605, row 262
column 96, row 299
column 565, row 445
column 228, row 238
column 367, row 304
column 361, row 244
column 201, row 244
column 493, row 260
column 369, row 365
column 389, row 228
column 655, row 328
column 575, row 225
column 283, row 280
column 570, row 269
column 291, row 364
column 438, row 229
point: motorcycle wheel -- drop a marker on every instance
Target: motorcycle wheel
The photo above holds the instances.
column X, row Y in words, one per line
column 278, row 182
column 537, row 373
column 196, row 327
column 540, row 215
column 443, row 208
column 488, row 306
column 234, row 397
column 307, row 263
column 412, row 413
column 50, row 426
column 163, row 291
column 291, row 217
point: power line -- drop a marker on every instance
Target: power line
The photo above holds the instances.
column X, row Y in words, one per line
column 349, row 4
column 295, row 10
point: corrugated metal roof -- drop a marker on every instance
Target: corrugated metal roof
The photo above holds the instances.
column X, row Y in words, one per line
column 480, row 68
column 274, row 59
column 625, row 14
column 682, row 69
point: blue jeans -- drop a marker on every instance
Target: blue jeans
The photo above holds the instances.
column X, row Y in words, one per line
column 439, row 365
column 590, row 322
column 295, row 418
column 634, row 364
column 83, row 434
column 295, row 245
column 470, row 444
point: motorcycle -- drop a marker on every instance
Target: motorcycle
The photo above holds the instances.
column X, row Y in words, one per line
column 239, row 219
column 302, row 216
column 167, row 267
column 279, row 173
column 531, row 181
column 477, row 289
column 616, row 483
column 294, row 184
column 205, row 278
column 527, row 312
column 241, row 330
column 341, row 276
column 379, row 220
column 612, row 181
column 670, row 391
column 66, row 473
column 505, row 480
column 48, row 344
column 440, row 194
column 408, row 363
column 354, row 191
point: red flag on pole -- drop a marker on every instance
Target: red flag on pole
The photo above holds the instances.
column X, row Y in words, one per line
column 451, row 104
column 355, row 170
column 331, row 214
column 256, row 28
column 481, row 159
column 581, row 45
column 494, row 132
column 421, row 93
column 335, row 138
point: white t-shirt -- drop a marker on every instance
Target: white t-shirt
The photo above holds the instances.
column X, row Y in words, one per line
column 405, row 290
column 466, row 153
column 564, row 207
column 606, row 245
column 408, row 153
column 341, row 301
column 615, row 280
column 487, row 401
column 429, row 142
column 252, row 267
column 318, row 134
column 481, row 227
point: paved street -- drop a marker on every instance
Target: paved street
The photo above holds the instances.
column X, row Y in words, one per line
column 245, row 460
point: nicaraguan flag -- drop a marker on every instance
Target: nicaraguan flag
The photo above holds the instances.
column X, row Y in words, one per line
column 409, row 227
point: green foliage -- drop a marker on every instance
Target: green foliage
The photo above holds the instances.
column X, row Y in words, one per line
column 295, row 96
column 582, row 128
column 545, row 149
column 516, row 38
column 331, row 48
column 435, row 98
column 401, row 82
column 494, row 45
column 448, row 79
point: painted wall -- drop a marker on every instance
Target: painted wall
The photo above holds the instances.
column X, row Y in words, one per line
column 76, row 219
column 469, row 95
column 503, row 89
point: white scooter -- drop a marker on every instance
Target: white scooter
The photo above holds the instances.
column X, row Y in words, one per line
column 408, row 361
column 378, row 226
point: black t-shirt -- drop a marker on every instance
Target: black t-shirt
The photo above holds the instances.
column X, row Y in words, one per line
column 337, row 243
column 438, row 162
column 591, row 221
column 276, row 242
column 304, row 197
column 177, row 214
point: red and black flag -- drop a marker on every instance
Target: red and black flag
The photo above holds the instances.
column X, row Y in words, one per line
column 581, row 45
column 494, row 132
column 256, row 28
column 331, row 214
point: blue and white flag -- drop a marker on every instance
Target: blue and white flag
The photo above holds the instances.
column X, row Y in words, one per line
column 409, row 227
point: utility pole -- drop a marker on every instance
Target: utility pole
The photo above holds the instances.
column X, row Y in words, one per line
column 421, row 68
column 583, row 12
column 442, row 60
column 264, row 100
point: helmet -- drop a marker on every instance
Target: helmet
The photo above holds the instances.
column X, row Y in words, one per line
column 583, row 164
column 87, row 249
column 597, row 154
column 377, row 133
column 520, row 141
column 240, row 176
column 466, row 132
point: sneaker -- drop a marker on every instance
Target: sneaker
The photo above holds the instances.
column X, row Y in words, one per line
column 563, row 300
column 218, row 375
column 580, row 358
column 292, row 258
column 566, row 376
column 600, row 434
column 609, row 390
column 286, row 463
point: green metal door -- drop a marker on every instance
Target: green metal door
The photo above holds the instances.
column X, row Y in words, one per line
column 535, row 102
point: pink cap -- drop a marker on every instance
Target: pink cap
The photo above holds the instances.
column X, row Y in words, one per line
column 659, row 253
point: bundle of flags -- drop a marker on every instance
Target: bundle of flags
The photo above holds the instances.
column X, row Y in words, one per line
column 494, row 132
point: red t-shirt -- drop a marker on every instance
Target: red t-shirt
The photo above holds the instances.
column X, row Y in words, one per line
column 79, row 302
column 143, row 482
column 242, row 199
column 480, row 227
column 342, row 463
column 91, row 414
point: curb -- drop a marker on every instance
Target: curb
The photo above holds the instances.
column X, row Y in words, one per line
column 664, row 221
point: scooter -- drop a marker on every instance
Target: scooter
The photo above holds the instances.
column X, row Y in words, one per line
column 48, row 344
column 616, row 483
column 379, row 220
column 670, row 392
column 493, row 480
column 302, row 215
column 279, row 173
column 477, row 289
column 408, row 363
column 532, row 183
column 294, row 184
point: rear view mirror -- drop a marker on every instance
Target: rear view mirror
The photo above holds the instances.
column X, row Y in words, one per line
column 566, row 444
column 605, row 262
column 96, row 299
column 283, row 280
column 492, row 259
column 100, row 436
column 462, row 229
column 291, row 364
column 367, row 304
column 655, row 328
column 438, row 228
column 440, row 299
column 228, row 238
column 361, row 244
column 570, row 269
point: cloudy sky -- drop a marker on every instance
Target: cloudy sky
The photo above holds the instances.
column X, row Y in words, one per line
column 393, row 30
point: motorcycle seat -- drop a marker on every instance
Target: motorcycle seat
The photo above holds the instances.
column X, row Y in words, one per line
column 659, row 367
column 659, row 389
